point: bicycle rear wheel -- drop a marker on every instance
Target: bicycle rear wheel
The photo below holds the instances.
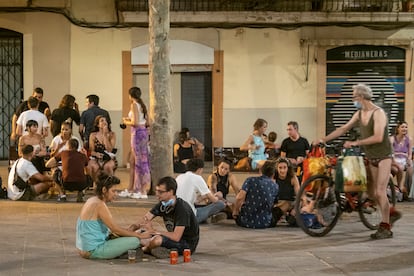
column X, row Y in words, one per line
column 316, row 207
column 369, row 211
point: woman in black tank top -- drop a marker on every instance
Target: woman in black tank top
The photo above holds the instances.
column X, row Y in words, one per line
column 183, row 151
column 220, row 182
column 288, row 188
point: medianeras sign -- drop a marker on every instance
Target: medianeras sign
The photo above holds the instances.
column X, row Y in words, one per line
column 366, row 52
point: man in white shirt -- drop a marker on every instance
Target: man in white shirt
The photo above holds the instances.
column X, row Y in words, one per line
column 191, row 186
column 32, row 114
column 24, row 106
column 37, row 183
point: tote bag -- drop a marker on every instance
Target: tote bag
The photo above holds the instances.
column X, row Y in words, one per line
column 351, row 174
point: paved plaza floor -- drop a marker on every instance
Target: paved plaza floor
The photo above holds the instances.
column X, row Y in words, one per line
column 38, row 238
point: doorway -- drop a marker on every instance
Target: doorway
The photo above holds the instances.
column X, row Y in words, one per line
column 196, row 107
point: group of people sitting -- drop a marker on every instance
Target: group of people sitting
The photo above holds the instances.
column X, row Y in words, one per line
column 74, row 163
column 259, row 203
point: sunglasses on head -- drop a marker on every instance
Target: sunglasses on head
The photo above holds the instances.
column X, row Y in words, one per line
column 283, row 160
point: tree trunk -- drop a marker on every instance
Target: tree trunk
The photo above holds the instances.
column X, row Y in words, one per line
column 159, row 90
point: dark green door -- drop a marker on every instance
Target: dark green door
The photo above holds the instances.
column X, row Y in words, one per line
column 196, row 107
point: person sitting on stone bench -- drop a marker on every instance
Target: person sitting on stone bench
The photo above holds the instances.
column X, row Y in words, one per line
column 102, row 147
column 183, row 151
column 272, row 148
column 31, row 137
column 255, row 145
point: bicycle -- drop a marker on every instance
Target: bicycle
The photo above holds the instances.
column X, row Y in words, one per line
column 319, row 205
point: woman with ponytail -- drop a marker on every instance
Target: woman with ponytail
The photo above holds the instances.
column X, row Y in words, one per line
column 140, row 177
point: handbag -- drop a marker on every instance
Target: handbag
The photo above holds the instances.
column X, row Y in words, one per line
column 18, row 181
column 351, row 175
column 106, row 156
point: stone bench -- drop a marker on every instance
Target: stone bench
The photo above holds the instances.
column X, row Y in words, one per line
column 233, row 154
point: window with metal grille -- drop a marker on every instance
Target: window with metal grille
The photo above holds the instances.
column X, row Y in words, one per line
column 11, row 84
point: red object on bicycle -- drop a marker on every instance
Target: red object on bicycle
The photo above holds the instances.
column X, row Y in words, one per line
column 315, row 163
column 316, row 151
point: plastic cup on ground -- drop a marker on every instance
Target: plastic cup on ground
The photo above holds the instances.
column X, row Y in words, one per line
column 132, row 256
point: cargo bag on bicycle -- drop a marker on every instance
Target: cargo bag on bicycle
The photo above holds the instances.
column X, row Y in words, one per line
column 351, row 175
column 315, row 163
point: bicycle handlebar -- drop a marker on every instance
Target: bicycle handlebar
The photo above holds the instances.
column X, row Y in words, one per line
column 338, row 148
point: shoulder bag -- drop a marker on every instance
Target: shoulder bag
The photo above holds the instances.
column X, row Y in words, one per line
column 18, row 181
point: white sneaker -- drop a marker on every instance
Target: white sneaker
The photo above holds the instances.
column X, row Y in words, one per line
column 135, row 195
column 124, row 193
column 144, row 197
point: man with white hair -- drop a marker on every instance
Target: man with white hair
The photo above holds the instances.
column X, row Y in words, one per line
column 373, row 125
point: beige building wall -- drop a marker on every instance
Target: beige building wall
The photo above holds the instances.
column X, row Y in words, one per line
column 46, row 53
column 265, row 77
column 96, row 68
column 259, row 67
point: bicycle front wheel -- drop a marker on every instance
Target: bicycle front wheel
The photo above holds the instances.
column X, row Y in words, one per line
column 317, row 209
column 369, row 211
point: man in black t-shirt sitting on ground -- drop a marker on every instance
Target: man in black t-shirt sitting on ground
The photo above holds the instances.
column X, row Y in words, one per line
column 179, row 219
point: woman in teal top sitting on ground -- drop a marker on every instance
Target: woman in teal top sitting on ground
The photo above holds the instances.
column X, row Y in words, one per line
column 95, row 224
